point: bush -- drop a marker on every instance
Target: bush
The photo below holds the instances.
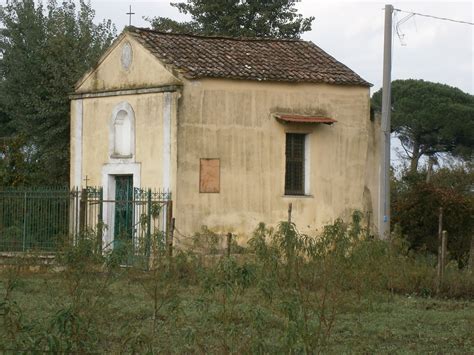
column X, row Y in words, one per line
column 287, row 294
column 415, row 208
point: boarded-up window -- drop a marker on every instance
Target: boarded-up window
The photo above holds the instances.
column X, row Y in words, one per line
column 209, row 175
column 294, row 174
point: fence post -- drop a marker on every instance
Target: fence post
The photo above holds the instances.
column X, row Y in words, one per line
column 171, row 237
column 83, row 211
column 229, row 243
column 442, row 259
column 444, row 245
column 368, row 225
column 471, row 255
column 290, row 207
column 148, row 226
column 73, row 216
column 24, row 222
column 440, row 232
column 100, row 224
column 169, row 227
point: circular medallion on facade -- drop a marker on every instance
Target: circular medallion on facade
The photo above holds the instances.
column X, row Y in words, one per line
column 127, row 56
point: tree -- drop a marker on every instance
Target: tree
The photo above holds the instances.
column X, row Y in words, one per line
column 431, row 118
column 415, row 207
column 238, row 18
column 45, row 50
column 16, row 165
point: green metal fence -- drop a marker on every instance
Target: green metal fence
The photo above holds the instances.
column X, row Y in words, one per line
column 43, row 219
column 132, row 217
column 33, row 219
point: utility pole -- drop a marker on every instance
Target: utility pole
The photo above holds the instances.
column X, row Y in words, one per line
column 384, row 193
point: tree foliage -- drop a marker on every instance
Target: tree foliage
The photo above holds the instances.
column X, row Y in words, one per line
column 415, row 208
column 431, row 118
column 45, row 50
column 238, row 18
column 16, row 165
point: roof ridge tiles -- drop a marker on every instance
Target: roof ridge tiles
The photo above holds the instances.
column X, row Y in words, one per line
column 188, row 34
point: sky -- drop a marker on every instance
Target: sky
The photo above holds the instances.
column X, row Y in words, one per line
column 352, row 32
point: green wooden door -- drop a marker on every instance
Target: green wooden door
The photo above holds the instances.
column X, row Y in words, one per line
column 123, row 225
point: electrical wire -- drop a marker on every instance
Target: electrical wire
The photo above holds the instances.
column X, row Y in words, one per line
column 435, row 17
column 400, row 34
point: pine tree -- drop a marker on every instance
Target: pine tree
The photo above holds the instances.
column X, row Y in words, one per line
column 238, row 18
column 431, row 118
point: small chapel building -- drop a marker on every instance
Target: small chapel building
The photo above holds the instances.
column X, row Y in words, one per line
column 235, row 128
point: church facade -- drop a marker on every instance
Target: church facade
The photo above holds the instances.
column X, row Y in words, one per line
column 236, row 129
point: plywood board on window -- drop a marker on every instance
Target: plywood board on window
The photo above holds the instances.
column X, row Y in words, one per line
column 209, row 176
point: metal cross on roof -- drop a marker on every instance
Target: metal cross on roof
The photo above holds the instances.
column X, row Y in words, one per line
column 130, row 13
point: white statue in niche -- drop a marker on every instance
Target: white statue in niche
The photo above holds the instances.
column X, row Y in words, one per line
column 122, row 135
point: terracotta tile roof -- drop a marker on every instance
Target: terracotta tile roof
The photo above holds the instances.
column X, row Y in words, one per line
column 246, row 58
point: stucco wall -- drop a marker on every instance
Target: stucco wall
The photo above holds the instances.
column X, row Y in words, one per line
column 91, row 117
column 144, row 71
column 232, row 121
column 97, row 117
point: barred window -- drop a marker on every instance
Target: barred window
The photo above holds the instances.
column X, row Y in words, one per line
column 295, row 161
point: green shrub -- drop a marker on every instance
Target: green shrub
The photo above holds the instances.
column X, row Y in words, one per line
column 416, row 204
column 289, row 294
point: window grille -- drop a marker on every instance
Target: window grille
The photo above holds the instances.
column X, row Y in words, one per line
column 294, row 174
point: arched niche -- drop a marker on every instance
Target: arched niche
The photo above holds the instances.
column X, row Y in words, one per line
column 122, row 132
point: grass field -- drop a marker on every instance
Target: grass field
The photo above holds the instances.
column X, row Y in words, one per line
column 120, row 318
column 341, row 293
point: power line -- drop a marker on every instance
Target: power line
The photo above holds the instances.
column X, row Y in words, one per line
column 435, row 17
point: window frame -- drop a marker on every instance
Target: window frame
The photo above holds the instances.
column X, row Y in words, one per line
column 302, row 160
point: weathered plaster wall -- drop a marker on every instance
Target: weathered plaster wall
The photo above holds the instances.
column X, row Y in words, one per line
column 97, row 113
column 231, row 120
column 90, row 140
column 144, row 71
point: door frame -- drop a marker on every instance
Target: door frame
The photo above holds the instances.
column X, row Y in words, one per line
column 129, row 209
column 109, row 171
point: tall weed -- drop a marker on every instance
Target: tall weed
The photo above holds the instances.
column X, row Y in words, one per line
column 284, row 293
